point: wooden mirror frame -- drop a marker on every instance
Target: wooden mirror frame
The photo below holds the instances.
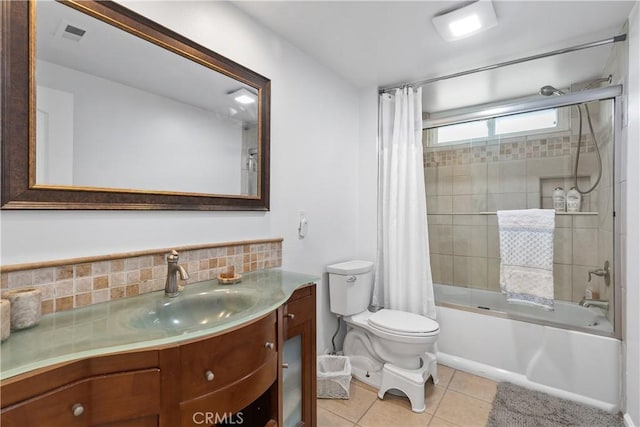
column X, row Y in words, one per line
column 17, row 93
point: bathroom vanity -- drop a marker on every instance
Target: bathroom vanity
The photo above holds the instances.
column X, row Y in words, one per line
column 111, row 365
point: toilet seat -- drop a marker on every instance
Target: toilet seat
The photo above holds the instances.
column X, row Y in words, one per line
column 402, row 323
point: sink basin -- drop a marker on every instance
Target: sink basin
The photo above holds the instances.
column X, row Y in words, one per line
column 195, row 311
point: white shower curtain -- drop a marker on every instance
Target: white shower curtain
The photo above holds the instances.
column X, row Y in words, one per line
column 403, row 273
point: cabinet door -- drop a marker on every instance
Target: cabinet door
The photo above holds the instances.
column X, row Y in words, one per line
column 300, row 335
column 292, row 381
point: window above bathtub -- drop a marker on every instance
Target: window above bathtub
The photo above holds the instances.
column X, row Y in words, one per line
column 522, row 124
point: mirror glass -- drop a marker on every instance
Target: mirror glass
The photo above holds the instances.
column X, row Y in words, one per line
column 106, row 109
column 115, row 111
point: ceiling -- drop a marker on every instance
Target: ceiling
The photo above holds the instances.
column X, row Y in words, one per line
column 148, row 67
column 384, row 43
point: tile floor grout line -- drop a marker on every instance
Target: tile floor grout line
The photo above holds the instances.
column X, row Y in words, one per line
column 365, row 412
column 472, row 396
column 440, row 400
column 368, row 409
column 339, row 416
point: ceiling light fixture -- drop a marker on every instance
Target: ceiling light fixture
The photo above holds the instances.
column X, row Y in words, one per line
column 243, row 96
column 466, row 21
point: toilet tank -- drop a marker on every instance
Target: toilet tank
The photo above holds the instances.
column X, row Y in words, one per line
column 350, row 285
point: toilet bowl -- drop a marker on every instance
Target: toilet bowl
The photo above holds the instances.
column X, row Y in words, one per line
column 388, row 349
column 396, row 336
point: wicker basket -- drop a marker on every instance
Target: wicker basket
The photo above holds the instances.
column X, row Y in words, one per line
column 334, row 377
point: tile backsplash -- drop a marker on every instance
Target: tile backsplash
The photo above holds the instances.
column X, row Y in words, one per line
column 73, row 283
column 504, row 150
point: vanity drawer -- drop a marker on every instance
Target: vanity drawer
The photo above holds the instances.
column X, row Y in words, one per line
column 298, row 311
column 97, row 400
column 227, row 401
column 216, row 362
column 25, row 386
column 302, row 292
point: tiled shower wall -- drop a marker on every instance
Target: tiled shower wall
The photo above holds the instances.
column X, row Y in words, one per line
column 71, row 284
column 519, row 173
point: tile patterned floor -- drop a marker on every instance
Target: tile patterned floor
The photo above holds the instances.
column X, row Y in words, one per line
column 459, row 400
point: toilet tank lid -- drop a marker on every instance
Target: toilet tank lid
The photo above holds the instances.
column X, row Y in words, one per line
column 351, row 267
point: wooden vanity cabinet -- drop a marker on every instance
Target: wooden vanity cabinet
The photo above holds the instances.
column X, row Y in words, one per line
column 235, row 374
column 299, row 318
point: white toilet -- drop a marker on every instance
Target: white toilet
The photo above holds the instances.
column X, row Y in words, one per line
column 388, row 349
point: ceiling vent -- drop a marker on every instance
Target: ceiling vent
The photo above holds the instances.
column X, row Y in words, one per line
column 70, row 32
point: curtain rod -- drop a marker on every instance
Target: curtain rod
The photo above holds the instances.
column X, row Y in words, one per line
column 621, row 37
column 524, row 106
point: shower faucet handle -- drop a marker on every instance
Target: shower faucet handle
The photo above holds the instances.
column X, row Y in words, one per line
column 602, row 272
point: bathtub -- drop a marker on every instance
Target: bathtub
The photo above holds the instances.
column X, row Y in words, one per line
column 565, row 315
column 546, row 353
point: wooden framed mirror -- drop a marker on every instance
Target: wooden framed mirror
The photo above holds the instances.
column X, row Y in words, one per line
column 103, row 108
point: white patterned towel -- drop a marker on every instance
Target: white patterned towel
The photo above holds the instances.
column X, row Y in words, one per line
column 526, row 252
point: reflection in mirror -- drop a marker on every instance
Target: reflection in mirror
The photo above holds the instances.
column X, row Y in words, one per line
column 106, row 109
column 116, row 111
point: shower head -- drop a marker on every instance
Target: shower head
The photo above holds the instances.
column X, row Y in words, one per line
column 550, row 90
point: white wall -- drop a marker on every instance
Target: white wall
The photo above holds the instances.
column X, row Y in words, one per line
column 54, row 136
column 368, row 179
column 314, row 166
column 631, row 231
column 124, row 137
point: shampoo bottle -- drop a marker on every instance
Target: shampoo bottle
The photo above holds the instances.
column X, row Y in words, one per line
column 559, row 199
column 574, row 200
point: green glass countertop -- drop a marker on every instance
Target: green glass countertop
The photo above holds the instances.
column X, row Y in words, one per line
column 121, row 325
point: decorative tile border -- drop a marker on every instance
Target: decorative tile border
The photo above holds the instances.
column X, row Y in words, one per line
column 488, row 152
column 79, row 282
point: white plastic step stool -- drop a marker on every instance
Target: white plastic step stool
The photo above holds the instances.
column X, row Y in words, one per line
column 410, row 382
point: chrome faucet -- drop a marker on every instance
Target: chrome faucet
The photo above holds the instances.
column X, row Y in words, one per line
column 600, row 303
column 602, row 272
column 171, row 288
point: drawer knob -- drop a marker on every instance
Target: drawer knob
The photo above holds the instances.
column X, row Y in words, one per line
column 291, row 316
column 285, row 365
column 209, row 376
column 269, row 345
column 77, row 409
